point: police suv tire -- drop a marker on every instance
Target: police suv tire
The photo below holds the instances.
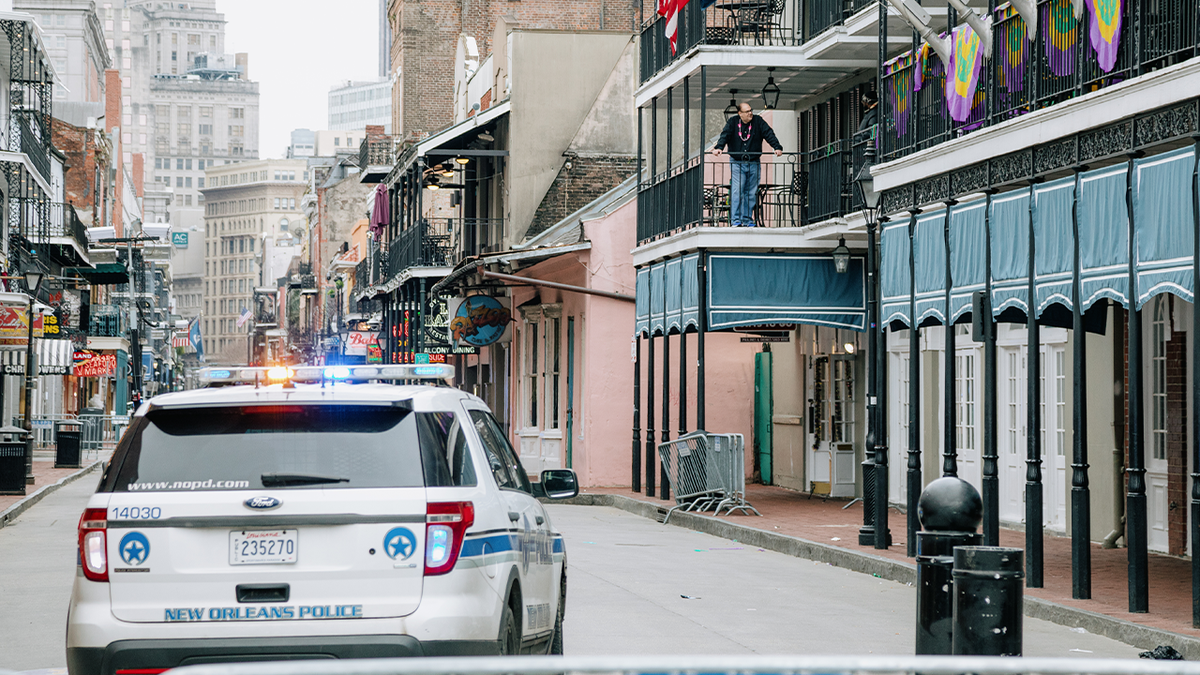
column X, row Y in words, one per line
column 556, row 642
column 510, row 634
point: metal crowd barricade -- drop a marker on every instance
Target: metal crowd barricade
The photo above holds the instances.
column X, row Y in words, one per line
column 706, row 472
column 98, row 433
column 714, row 665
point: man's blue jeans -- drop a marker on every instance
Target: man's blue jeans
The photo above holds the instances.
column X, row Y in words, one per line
column 743, row 190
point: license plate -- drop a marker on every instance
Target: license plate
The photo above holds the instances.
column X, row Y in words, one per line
column 257, row 547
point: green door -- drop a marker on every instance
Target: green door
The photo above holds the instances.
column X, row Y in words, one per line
column 763, row 405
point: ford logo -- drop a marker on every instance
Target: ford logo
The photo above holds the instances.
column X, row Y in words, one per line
column 262, row 503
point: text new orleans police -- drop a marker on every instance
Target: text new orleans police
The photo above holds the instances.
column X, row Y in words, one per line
column 263, row 613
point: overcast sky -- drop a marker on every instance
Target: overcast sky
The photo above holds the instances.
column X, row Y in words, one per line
column 298, row 50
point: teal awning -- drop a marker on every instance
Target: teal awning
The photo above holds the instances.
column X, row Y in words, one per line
column 929, row 255
column 1010, row 251
column 894, row 274
column 668, row 296
column 968, row 255
column 748, row 289
column 104, row 274
column 1054, row 244
column 1103, row 235
column 1162, row 214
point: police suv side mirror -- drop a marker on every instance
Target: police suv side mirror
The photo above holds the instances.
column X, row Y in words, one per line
column 557, row 484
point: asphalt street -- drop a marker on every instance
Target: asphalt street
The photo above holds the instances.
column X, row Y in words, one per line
column 639, row 587
column 635, row 587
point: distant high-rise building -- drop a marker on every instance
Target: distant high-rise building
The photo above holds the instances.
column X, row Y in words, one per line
column 385, row 40
column 74, row 40
column 354, row 105
column 304, row 143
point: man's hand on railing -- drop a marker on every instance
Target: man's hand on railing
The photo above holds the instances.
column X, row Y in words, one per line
column 778, row 153
column 716, row 152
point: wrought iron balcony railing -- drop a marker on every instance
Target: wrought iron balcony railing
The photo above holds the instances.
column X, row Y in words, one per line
column 1023, row 76
column 64, row 222
column 362, row 274
column 107, row 321
column 738, row 22
column 794, row 189
column 443, row 242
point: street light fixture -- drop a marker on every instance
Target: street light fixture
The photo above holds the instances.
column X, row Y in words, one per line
column 33, row 279
column 770, row 91
column 841, row 257
column 732, row 108
column 866, row 185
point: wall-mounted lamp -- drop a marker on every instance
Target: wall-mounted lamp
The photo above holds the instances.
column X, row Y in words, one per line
column 770, row 91
column 841, row 257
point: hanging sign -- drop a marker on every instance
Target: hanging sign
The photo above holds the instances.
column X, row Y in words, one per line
column 99, row 365
column 14, row 326
column 479, row 320
column 357, row 342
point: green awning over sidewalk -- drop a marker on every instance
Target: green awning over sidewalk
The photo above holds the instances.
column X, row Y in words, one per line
column 103, row 274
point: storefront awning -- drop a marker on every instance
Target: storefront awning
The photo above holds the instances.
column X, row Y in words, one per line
column 747, row 289
column 1010, row 251
column 104, row 274
column 1054, row 244
column 1162, row 213
column 894, row 274
column 1104, row 245
column 929, row 255
column 668, row 296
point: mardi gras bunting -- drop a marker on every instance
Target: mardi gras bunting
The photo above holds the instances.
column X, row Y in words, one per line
column 966, row 57
column 902, row 87
column 1058, row 17
column 919, row 69
column 1105, row 31
column 1014, row 49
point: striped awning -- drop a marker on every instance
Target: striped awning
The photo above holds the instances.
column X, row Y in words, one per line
column 53, row 358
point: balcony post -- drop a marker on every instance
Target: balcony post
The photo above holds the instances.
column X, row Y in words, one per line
column 914, row 396
column 649, row 450
column 423, row 302
column 636, row 482
column 682, row 382
column 701, row 283
column 1033, row 417
column 950, row 402
column 991, row 458
column 664, row 485
column 1135, row 498
column 1081, row 514
column 1195, row 497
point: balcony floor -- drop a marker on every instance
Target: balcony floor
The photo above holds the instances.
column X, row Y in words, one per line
column 818, row 238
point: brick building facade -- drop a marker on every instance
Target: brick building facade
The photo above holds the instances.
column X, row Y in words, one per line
column 581, row 180
column 425, row 35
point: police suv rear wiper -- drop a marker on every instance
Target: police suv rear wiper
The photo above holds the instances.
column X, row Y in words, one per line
column 279, row 479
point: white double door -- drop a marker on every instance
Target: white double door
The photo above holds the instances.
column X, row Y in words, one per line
column 1012, row 413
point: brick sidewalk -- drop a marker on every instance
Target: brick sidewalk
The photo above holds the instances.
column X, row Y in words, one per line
column 824, row 521
column 44, row 474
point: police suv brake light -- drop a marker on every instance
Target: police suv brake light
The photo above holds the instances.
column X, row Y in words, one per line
column 446, row 527
column 93, row 544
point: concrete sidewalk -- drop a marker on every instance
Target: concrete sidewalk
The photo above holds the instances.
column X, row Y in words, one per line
column 46, row 479
column 823, row 530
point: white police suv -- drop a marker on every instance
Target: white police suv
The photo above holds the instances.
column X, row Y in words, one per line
column 316, row 513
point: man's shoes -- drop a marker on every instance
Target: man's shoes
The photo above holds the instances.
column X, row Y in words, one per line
column 749, row 225
column 736, row 225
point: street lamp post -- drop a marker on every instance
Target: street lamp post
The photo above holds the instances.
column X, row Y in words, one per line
column 33, row 279
column 876, row 435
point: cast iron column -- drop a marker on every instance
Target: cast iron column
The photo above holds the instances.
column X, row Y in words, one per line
column 664, row 483
column 914, row 396
column 1135, row 498
column 1033, row 419
column 876, row 357
column 950, row 416
column 702, row 283
column 1195, row 505
column 1081, row 510
column 649, row 450
column 991, row 458
column 636, row 483
column 682, row 382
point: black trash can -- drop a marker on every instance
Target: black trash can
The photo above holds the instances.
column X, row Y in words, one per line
column 12, row 460
column 67, row 437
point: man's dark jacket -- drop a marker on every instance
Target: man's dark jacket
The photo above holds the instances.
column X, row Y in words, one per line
column 748, row 150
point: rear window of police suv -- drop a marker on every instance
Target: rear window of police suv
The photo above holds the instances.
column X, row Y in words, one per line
column 290, row 447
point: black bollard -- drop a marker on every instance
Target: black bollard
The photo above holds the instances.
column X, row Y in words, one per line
column 950, row 511
column 989, row 597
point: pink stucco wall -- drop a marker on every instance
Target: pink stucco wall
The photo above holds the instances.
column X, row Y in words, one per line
column 603, row 402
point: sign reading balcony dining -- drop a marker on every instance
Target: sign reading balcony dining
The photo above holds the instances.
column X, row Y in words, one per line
column 480, row 320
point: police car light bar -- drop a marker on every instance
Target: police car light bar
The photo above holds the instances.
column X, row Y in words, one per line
column 322, row 374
